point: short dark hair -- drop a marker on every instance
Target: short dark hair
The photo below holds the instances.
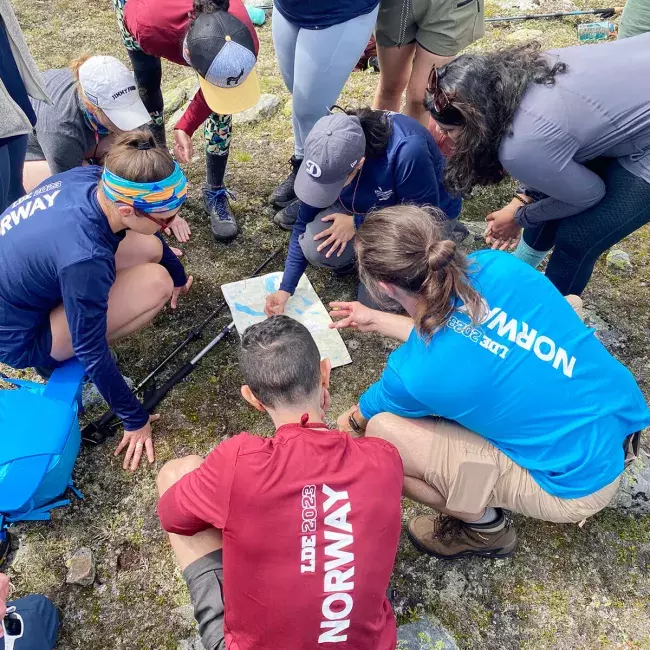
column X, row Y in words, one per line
column 280, row 361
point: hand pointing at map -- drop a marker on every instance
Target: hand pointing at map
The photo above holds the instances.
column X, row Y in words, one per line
column 275, row 302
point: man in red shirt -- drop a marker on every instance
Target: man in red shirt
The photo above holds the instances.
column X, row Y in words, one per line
column 307, row 522
column 218, row 40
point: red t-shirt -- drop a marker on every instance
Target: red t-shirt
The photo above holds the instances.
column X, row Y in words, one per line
column 159, row 27
column 311, row 521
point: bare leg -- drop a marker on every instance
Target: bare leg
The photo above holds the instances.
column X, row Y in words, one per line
column 138, row 294
column 136, row 249
column 422, row 64
column 34, row 173
column 414, row 439
column 394, row 73
column 187, row 548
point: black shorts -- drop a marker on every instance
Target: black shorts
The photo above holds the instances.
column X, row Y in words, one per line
column 204, row 578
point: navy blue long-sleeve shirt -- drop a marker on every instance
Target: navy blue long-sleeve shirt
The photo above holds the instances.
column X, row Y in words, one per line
column 321, row 14
column 56, row 246
column 409, row 171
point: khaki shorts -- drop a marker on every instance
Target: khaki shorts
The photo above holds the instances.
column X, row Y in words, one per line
column 471, row 473
column 443, row 27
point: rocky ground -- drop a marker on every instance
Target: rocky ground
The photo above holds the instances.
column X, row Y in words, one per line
column 566, row 588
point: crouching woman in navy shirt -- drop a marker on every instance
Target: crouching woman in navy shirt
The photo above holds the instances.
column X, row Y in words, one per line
column 356, row 161
column 499, row 397
column 82, row 268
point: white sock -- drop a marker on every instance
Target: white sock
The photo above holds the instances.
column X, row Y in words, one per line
column 488, row 517
column 529, row 255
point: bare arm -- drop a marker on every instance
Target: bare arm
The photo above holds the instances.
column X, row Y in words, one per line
column 357, row 316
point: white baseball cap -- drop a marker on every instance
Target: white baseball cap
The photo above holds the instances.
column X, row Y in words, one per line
column 108, row 84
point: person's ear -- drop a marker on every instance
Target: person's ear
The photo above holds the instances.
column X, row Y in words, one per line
column 325, row 372
column 389, row 289
column 247, row 394
column 125, row 211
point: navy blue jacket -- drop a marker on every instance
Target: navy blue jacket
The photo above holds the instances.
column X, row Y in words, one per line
column 409, row 171
column 320, row 14
column 56, row 246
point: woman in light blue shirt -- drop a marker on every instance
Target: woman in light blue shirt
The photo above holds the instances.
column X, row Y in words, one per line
column 500, row 397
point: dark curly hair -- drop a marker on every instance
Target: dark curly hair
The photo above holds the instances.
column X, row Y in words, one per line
column 486, row 90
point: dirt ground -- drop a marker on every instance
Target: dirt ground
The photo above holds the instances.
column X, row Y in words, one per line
column 566, row 588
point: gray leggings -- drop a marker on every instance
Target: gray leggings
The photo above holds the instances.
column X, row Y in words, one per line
column 316, row 63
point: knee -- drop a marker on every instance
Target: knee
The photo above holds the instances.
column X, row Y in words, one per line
column 309, row 246
column 172, row 471
column 381, row 425
column 159, row 284
column 153, row 250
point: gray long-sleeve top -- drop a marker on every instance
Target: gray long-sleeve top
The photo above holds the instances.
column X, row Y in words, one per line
column 599, row 107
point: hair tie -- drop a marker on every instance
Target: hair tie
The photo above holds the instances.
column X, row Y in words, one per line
column 144, row 146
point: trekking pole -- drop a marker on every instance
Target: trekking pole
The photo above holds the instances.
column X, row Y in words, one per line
column 603, row 13
column 97, row 431
column 159, row 394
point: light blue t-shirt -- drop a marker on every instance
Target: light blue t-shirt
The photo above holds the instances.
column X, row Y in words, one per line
column 531, row 378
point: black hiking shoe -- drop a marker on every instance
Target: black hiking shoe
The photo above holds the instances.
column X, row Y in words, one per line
column 286, row 218
column 222, row 221
column 283, row 194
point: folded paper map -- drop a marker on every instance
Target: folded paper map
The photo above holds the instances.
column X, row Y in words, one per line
column 246, row 300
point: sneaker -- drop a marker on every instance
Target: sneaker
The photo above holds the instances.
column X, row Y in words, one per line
column 283, row 194
column 287, row 218
column 448, row 538
column 222, row 221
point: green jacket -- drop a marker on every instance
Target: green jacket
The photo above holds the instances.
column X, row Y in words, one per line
column 14, row 121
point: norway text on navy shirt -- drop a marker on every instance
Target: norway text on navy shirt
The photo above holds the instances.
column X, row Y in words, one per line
column 56, row 246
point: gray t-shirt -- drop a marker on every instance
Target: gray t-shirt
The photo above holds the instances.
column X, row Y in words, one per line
column 600, row 107
column 61, row 135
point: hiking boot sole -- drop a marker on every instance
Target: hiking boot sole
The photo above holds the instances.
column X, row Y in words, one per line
column 224, row 240
column 495, row 554
column 282, row 204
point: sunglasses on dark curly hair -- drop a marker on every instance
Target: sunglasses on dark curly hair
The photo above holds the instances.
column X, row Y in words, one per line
column 439, row 104
column 439, row 97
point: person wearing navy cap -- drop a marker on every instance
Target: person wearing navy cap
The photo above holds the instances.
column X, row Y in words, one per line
column 355, row 162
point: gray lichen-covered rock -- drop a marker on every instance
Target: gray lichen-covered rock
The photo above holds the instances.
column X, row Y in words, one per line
column 524, row 35
column 81, row 568
column 424, row 635
column 266, row 106
column 634, row 494
column 618, row 259
column 190, row 644
column 174, row 99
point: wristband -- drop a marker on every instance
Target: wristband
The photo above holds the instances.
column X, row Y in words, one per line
column 356, row 427
column 516, row 196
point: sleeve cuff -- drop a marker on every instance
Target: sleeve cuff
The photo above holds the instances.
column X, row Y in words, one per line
column 358, row 220
column 289, row 288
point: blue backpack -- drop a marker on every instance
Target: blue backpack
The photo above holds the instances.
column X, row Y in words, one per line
column 40, row 441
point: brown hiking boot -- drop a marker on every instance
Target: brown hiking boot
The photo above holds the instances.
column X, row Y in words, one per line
column 449, row 538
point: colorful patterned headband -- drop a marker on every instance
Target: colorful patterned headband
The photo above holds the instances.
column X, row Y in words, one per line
column 161, row 196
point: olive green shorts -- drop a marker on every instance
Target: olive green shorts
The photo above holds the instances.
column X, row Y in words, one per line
column 443, row 27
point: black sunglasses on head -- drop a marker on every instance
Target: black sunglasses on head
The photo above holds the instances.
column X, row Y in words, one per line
column 441, row 108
